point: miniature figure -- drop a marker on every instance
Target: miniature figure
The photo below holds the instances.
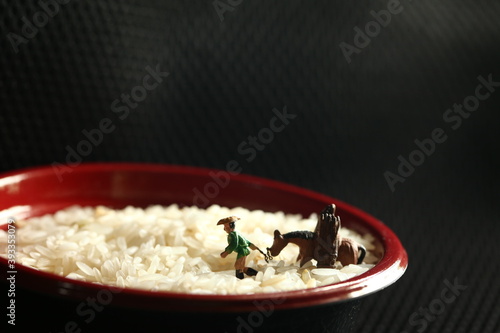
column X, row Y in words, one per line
column 240, row 245
column 328, row 242
column 323, row 245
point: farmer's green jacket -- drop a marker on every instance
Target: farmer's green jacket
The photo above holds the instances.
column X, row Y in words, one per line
column 238, row 244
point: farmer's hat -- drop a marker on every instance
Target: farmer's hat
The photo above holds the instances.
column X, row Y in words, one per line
column 228, row 220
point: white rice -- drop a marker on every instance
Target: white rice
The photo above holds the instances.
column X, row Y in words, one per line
column 172, row 249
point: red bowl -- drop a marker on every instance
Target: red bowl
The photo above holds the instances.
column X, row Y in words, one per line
column 37, row 191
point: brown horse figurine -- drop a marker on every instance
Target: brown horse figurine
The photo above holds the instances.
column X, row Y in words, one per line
column 349, row 251
column 324, row 245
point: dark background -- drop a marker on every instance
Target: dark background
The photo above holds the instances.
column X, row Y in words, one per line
column 352, row 121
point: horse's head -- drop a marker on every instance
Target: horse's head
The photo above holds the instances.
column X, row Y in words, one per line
column 278, row 244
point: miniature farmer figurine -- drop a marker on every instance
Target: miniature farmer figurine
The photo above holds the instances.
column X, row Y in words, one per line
column 238, row 244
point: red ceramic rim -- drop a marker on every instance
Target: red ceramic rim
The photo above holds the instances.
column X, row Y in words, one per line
column 22, row 194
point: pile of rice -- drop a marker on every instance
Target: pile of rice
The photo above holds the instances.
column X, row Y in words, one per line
column 172, row 249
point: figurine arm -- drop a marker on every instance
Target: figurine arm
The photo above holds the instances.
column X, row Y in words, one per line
column 232, row 239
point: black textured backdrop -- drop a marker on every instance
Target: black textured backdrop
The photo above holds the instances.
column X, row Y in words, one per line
column 352, row 119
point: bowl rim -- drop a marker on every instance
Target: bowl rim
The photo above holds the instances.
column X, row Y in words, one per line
column 389, row 269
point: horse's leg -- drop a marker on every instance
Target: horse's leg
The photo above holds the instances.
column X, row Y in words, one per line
column 307, row 251
column 300, row 258
column 304, row 253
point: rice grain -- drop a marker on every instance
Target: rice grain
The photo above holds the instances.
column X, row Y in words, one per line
column 172, row 249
